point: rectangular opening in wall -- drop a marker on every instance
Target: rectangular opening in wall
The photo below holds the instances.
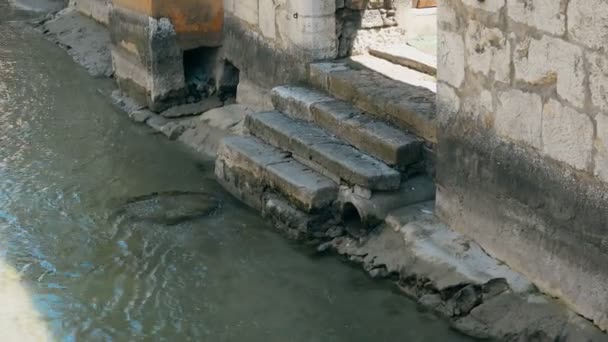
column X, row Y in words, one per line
column 199, row 67
column 208, row 76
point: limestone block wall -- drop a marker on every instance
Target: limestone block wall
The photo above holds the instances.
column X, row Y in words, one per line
column 272, row 41
column 523, row 144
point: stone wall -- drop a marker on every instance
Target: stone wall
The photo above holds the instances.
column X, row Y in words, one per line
column 523, row 144
column 272, row 41
column 368, row 23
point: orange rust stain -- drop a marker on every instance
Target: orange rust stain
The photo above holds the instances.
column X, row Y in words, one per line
column 141, row 6
column 194, row 19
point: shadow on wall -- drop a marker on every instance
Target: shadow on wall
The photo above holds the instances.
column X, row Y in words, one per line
column 355, row 18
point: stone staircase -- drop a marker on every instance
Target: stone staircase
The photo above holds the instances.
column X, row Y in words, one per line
column 350, row 146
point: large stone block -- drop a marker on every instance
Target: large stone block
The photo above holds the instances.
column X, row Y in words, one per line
column 488, row 50
column 450, row 59
column 247, row 10
column 147, row 60
column 546, row 15
column 567, row 135
column 549, row 61
column 587, row 22
column 519, row 117
column 480, row 108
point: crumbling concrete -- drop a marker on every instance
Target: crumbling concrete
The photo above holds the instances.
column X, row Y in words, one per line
column 453, row 276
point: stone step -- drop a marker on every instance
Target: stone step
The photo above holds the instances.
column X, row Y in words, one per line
column 251, row 166
column 407, row 56
column 322, row 151
column 375, row 137
column 408, row 106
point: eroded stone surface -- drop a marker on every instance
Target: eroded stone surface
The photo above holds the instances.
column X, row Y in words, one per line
column 407, row 106
column 310, row 142
column 275, row 169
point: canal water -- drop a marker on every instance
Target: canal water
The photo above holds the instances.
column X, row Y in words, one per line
column 75, row 265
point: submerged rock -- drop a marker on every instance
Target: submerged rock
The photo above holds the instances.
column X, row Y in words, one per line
column 170, row 208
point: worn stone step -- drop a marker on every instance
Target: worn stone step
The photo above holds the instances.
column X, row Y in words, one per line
column 408, row 106
column 407, row 56
column 315, row 145
column 375, row 137
column 251, row 166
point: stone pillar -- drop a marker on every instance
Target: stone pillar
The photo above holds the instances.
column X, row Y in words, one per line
column 148, row 40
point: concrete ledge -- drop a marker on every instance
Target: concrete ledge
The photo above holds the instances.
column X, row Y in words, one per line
column 543, row 219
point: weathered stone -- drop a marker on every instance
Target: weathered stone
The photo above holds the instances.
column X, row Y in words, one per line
column 587, row 22
column 147, row 60
column 380, row 140
column 267, row 18
column 519, row 117
column 373, row 210
column 320, row 72
column 555, row 217
column 169, row 208
column 529, row 318
column 598, row 79
column 314, row 144
column 371, row 19
column 552, row 61
column 377, row 138
column 490, row 50
column 252, row 95
column 450, row 58
column 297, row 101
column 601, row 145
column 407, row 106
column 193, row 108
column 463, row 301
column 314, row 32
column 308, row 189
column 396, row 72
column 546, row 15
column 274, row 169
column 87, row 41
column 407, row 56
column 247, row 10
column 567, row 135
column 156, row 122
column 448, row 103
